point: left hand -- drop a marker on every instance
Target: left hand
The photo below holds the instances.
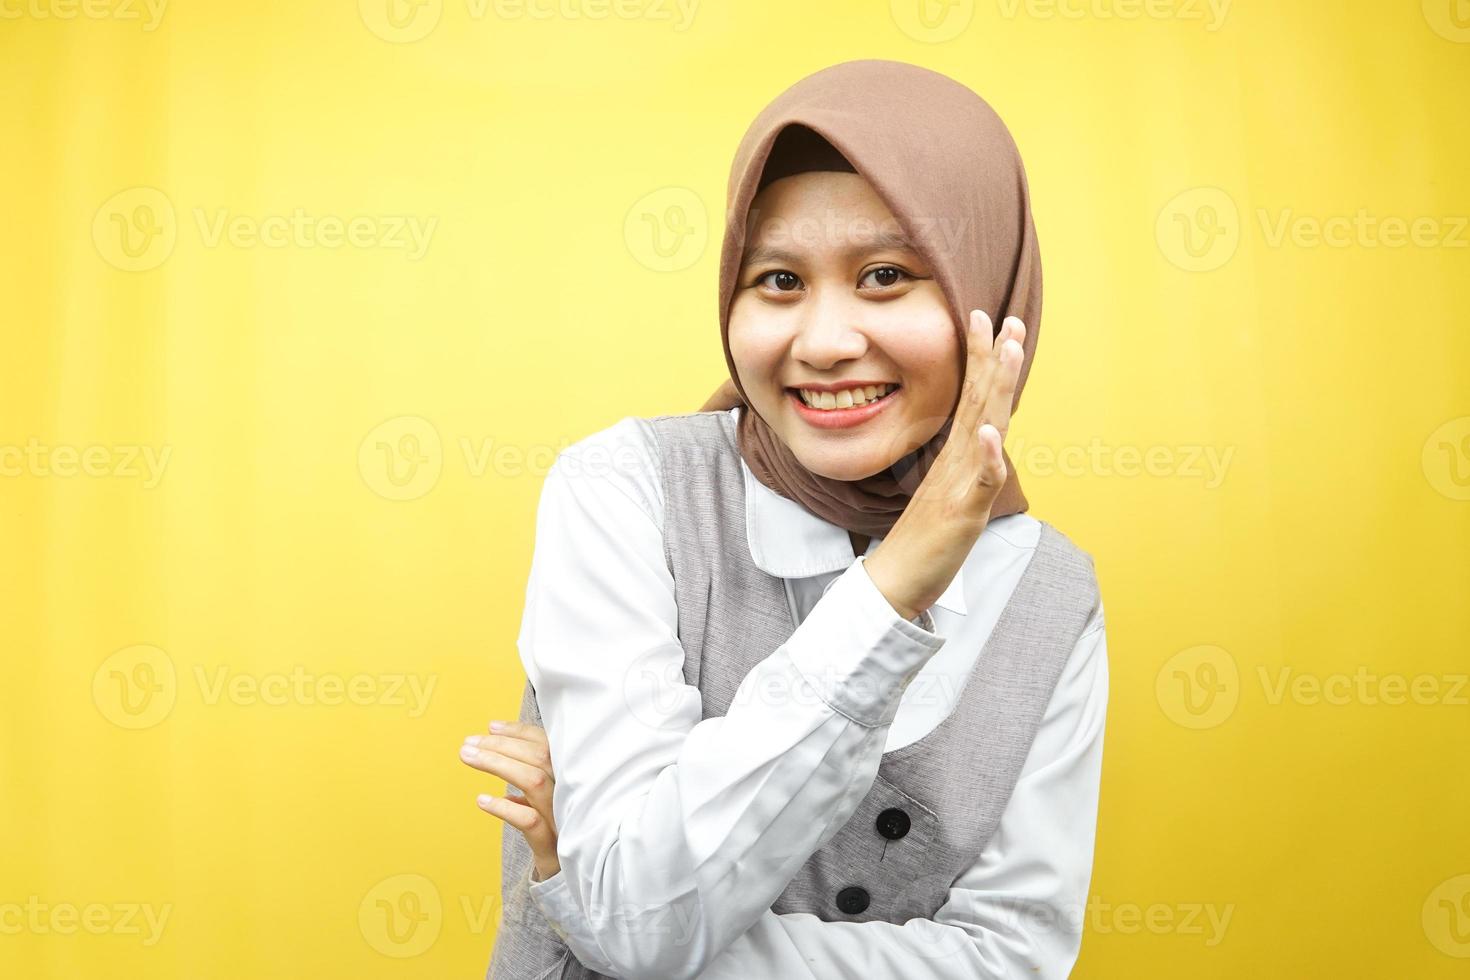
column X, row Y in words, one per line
column 520, row 754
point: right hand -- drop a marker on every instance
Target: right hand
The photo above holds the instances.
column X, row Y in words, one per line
column 938, row 528
column 520, row 753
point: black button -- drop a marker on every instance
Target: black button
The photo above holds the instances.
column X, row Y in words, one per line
column 893, row 823
column 852, row 899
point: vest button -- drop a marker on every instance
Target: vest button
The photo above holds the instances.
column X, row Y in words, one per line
column 852, row 900
column 893, row 823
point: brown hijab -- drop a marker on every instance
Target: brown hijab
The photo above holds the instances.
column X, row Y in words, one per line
column 946, row 167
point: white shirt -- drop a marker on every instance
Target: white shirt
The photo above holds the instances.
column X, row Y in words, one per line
column 677, row 832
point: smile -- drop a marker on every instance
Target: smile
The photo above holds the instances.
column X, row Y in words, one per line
column 842, row 409
column 845, row 398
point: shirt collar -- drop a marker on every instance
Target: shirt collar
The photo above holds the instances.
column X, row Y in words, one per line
column 790, row 541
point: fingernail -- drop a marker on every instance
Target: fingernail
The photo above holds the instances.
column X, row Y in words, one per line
column 467, row 753
column 472, row 740
column 497, row 726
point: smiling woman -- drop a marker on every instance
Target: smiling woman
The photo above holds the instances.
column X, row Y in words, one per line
column 813, row 687
column 821, row 321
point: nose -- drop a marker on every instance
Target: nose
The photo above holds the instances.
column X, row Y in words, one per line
column 828, row 332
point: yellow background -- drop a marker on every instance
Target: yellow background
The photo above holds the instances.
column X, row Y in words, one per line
column 1165, row 147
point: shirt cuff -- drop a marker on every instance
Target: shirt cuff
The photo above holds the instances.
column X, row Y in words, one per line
column 925, row 622
column 554, row 898
column 857, row 652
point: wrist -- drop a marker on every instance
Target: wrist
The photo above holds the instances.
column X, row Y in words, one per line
column 884, row 580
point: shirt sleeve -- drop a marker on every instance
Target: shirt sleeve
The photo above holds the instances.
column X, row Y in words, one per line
column 1016, row 912
column 675, row 832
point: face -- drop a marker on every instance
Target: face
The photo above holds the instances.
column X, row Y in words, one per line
column 833, row 306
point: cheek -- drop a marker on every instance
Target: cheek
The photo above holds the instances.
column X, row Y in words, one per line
column 923, row 346
column 754, row 346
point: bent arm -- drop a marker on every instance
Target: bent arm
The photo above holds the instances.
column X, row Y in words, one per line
column 676, row 832
column 1017, row 911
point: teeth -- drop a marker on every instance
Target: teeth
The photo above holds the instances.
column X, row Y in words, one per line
column 846, row 398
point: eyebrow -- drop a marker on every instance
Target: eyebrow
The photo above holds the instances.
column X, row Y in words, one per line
column 876, row 242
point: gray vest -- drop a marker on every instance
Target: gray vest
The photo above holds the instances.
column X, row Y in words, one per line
column 934, row 803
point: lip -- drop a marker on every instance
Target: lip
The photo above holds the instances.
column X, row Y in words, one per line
column 840, row 385
column 841, row 418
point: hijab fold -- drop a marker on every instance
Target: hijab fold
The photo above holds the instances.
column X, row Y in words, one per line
column 947, row 168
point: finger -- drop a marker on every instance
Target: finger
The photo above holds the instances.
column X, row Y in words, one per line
column 983, row 329
column 1009, row 353
column 992, row 473
column 1003, row 387
column 532, row 753
column 540, row 833
column 1000, row 337
column 1011, row 328
column 533, row 782
column 978, row 367
column 529, row 778
column 519, row 729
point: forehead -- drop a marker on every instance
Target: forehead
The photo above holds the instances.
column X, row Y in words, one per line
column 821, row 211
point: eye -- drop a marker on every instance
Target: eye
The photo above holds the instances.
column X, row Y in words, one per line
column 784, row 281
column 888, row 275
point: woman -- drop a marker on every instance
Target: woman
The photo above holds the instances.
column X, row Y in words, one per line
column 822, row 700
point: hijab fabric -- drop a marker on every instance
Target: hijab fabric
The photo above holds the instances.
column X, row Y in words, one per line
column 947, row 168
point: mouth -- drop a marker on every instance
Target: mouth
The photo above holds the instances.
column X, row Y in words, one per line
column 842, row 409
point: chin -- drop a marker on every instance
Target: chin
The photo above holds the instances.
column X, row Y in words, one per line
column 838, row 465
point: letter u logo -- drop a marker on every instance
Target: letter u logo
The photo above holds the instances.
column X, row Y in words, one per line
column 408, row 451
column 147, row 228
column 1459, row 474
column 1204, row 682
column 1207, row 220
column 402, row 920
column 676, row 222
column 934, row 22
column 143, row 680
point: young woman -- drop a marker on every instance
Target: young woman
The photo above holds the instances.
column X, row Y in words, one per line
column 822, row 700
